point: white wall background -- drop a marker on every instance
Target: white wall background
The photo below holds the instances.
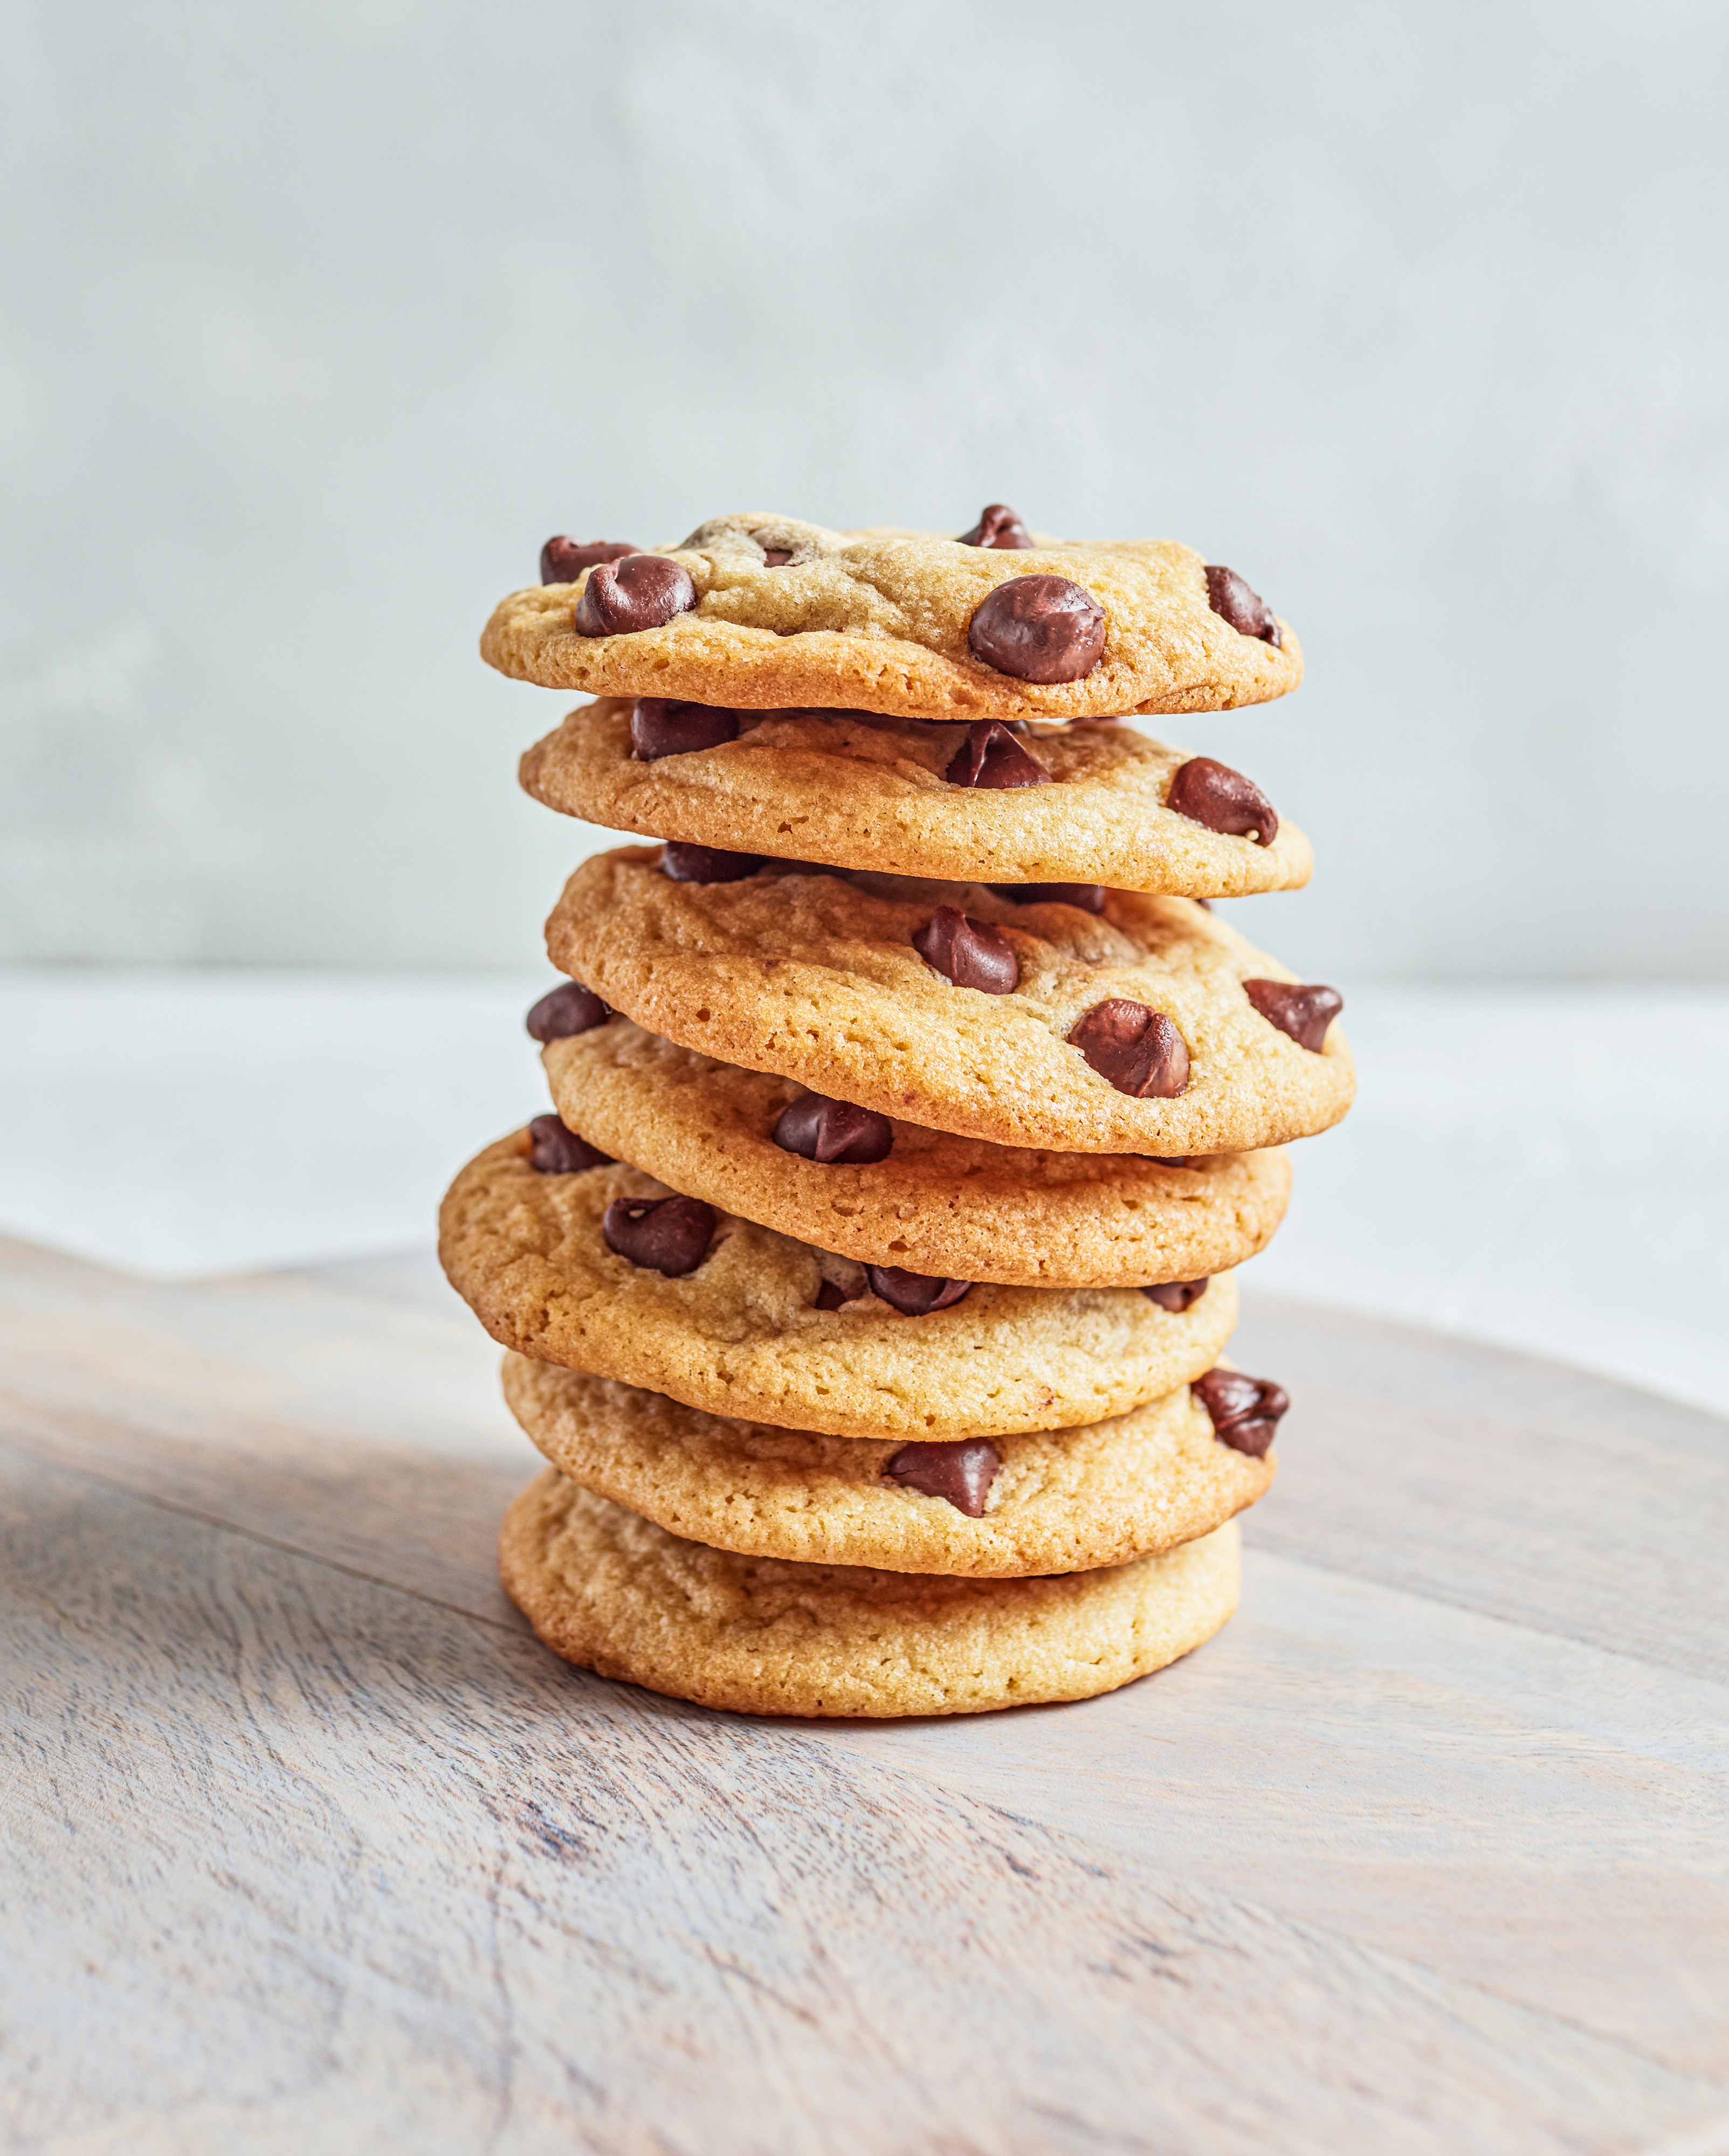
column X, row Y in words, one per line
column 320, row 315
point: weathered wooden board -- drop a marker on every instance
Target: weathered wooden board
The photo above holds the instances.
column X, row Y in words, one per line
column 1514, row 1486
column 309, row 1846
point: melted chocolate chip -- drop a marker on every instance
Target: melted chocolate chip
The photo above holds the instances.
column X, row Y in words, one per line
column 1244, row 1411
column 636, row 592
column 776, row 558
column 970, row 953
column 1136, row 1048
column 1248, row 612
column 1303, row 1010
column 661, row 727
column 555, row 1149
column 1223, row 800
column 960, row 1471
column 998, row 525
column 1089, row 897
column 563, row 561
column 1205, row 903
column 668, row 1235
column 569, row 1009
column 1169, row 1160
column 914, row 1295
column 833, row 1131
column 1038, row 629
column 990, row 756
column 686, row 864
column 830, row 1297
column 1177, row 1296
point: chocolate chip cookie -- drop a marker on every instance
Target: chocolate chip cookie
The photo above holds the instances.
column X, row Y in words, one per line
column 884, row 1191
column 607, row 1270
column 768, row 612
column 1132, row 1029
column 611, row 1591
column 1045, row 1501
column 1093, row 803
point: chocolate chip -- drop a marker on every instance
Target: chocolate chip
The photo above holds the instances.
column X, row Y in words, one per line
column 914, row 1295
column 970, row 953
column 1303, row 1010
column 563, row 561
column 1038, row 629
column 1169, row 1160
column 686, row 864
column 1177, row 1296
column 569, row 1009
column 1136, row 1048
column 1211, row 793
column 1233, row 601
column 555, row 1149
column 638, row 591
column 830, row 1297
column 1205, row 903
column 776, row 558
column 1089, row 897
column 960, row 1471
column 669, row 1235
column 998, row 525
column 661, row 726
column 1244, row 1411
column 833, row 1131
column 990, row 756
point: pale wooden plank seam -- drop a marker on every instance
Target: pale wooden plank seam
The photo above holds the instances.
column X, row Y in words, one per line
column 1294, row 1553
column 1709, row 2138
column 23, row 1449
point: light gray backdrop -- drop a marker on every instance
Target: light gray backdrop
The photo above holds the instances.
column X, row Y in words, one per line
column 321, row 316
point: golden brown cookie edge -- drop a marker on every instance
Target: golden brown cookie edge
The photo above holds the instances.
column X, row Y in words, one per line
column 953, row 1229
column 1162, row 1478
column 1173, row 1604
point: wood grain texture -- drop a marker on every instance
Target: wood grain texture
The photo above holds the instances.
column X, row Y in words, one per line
column 309, row 1844
column 1514, row 1486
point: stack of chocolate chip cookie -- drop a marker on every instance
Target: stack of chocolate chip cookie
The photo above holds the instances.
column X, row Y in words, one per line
column 870, row 1288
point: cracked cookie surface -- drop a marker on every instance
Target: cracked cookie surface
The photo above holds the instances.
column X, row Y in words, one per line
column 878, row 620
column 866, row 792
column 617, row 1595
column 813, row 975
column 741, row 1334
column 1061, row 1501
column 937, row 1204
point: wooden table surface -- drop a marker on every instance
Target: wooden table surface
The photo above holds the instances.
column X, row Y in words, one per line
column 309, row 1846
